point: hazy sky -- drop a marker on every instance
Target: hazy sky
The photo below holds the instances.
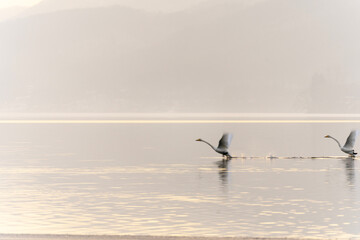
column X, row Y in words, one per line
column 13, row 3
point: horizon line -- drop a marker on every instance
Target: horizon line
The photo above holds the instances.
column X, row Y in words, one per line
column 157, row 121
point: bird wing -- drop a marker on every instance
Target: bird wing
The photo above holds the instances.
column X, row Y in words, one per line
column 350, row 141
column 225, row 141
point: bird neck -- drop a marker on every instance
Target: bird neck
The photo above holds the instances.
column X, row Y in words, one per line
column 336, row 141
column 209, row 144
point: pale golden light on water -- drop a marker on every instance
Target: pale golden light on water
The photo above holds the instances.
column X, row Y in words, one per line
column 98, row 175
column 297, row 121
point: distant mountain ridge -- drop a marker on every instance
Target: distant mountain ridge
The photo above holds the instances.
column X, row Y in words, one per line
column 10, row 13
column 50, row 6
column 47, row 6
column 273, row 56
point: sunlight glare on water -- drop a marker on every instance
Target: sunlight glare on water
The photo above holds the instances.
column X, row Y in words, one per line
column 155, row 179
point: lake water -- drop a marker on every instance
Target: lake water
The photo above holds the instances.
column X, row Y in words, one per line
column 155, row 179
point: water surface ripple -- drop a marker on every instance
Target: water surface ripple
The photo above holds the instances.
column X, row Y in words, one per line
column 156, row 180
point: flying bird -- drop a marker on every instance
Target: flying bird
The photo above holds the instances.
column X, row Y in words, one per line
column 223, row 146
column 350, row 143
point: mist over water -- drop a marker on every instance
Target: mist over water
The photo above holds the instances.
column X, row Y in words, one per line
column 201, row 56
column 102, row 101
column 155, row 179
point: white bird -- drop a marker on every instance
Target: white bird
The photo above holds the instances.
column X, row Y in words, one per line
column 350, row 143
column 224, row 144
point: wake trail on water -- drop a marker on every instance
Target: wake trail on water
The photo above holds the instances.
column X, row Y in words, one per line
column 285, row 157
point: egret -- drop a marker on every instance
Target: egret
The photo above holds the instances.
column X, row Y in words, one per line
column 350, row 143
column 223, row 146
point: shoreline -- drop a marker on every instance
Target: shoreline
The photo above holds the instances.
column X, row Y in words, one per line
column 126, row 237
column 172, row 115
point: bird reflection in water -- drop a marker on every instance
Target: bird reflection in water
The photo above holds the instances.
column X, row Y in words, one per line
column 350, row 170
column 223, row 166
